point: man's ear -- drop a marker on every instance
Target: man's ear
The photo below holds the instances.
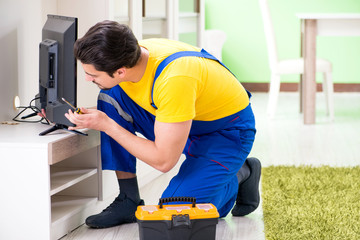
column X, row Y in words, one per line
column 120, row 73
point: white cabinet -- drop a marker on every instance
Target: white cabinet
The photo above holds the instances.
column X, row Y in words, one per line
column 161, row 18
column 49, row 184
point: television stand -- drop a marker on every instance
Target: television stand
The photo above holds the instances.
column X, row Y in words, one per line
column 60, row 127
column 52, row 182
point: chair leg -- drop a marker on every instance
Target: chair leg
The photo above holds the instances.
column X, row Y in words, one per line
column 328, row 89
column 326, row 92
column 301, row 92
column 273, row 95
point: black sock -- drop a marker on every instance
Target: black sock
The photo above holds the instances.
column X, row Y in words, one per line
column 243, row 173
column 129, row 186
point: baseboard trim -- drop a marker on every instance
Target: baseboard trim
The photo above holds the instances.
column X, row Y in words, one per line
column 293, row 87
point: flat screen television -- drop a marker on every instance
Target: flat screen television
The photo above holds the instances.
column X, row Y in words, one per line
column 57, row 69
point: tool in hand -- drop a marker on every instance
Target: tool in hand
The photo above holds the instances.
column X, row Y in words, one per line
column 77, row 110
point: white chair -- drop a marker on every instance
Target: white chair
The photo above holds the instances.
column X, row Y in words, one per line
column 214, row 40
column 291, row 66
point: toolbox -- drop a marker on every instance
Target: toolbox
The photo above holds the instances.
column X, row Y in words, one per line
column 177, row 222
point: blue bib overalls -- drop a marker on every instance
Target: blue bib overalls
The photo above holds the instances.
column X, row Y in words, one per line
column 215, row 150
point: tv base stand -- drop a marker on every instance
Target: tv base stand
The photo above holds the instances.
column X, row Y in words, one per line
column 60, row 127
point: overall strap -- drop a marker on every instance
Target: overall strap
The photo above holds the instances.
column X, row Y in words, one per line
column 172, row 57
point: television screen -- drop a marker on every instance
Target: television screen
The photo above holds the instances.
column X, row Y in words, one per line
column 57, row 69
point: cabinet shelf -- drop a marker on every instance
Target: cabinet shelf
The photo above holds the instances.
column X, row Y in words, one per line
column 64, row 207
column 188, row 15
column 62, row 178
column 157, row 17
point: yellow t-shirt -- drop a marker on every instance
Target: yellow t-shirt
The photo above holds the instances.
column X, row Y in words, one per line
column 188, row 88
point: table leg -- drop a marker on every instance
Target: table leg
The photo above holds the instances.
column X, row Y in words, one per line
column 301, row 75
column 309, row 81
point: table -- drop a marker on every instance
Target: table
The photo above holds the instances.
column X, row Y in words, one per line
column 322, row 24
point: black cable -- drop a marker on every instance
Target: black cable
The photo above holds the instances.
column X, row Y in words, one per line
column 35, row 112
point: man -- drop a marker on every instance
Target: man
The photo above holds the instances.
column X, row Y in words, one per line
column 183, row 101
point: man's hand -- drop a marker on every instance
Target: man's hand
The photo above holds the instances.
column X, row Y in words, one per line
column 42, row 113
column 90, row 118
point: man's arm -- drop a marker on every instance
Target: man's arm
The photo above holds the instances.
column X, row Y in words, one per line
column 162, row 154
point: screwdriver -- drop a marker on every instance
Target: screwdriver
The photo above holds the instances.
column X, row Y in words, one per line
column 77, row 110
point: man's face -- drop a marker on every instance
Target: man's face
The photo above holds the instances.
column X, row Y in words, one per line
column 101, row 79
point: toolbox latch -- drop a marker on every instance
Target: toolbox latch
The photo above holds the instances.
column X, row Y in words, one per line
column 181, row 220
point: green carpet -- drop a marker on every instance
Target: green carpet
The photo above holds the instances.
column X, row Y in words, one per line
column 311, row 202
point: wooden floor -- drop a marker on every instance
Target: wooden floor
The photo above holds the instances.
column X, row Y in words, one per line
column 284, row 140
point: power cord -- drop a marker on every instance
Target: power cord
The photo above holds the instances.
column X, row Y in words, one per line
column 35, row 112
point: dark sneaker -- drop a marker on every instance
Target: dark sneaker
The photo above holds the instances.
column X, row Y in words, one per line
column 122, row 210
column 248, row 197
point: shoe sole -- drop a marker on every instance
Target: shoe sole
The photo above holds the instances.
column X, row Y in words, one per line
column 109, row 226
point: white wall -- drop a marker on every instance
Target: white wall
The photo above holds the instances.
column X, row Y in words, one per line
column 20, row 29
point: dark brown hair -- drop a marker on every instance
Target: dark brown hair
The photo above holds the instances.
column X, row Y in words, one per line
column 108, row 46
